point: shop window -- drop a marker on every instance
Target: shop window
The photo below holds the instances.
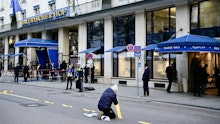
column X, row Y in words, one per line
column 23, row 14
column 123, row 34
column 95, row 39
column 52, row 4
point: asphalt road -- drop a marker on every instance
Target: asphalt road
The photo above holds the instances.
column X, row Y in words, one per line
column 22, row 104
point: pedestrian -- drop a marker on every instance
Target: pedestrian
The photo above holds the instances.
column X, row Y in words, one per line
column 16, row 72
column 92, row 74
column 25, row 72
column 204, row 80
column 63, row 67
column 196, row 71
column 146, row 78
column 86, row 73
column 217, row 79
column 108, row 97
column 169, row 72
column 79, row 77
column 70, row 74
column 38, row 71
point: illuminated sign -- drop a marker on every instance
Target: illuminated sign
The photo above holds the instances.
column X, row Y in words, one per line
column 53, row 15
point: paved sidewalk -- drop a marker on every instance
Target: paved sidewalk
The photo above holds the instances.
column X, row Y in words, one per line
column 134, row 93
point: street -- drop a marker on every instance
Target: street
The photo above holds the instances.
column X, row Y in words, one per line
column 22, row 104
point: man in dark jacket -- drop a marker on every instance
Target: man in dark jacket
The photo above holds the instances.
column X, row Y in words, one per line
column 16, row 72
column 169, row 72
column 108, row 97
column 145, row 78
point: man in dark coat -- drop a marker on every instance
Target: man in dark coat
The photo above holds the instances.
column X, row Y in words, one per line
column 16, row 72
column 108, row 97
column 169, row 72
column 25, row 72
column 146, row 78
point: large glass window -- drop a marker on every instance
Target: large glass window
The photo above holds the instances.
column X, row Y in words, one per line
column 123, row 34
column 161, row 25
column 95, row 37
column 205, row 19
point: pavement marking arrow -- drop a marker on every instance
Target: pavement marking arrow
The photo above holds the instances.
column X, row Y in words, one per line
column 88, row 110
column 142, row 122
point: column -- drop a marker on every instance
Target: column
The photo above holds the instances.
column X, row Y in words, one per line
column 16, row 50
column 108, row 44
column 6, row 52
column 31, row 54
column 63, row 43
column 82, row 42
column 182, row 21
column 140, row 40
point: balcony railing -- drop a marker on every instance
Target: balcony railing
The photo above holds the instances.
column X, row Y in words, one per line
column 80, row 9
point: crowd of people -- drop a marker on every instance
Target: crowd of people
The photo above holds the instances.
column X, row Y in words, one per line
column 68, row 73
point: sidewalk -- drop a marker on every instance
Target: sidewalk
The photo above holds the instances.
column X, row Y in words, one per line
column 134, row 93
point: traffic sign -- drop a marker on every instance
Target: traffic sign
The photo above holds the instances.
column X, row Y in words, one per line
column 90, row 56
column 130, row 47
column 137, row 51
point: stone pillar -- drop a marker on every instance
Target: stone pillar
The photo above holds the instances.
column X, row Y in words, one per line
column 6, row 52
column 108, row 44
column 82, row 43
column 31, row 53
column 140, row 40
column 16, row 50
column 182, row 21
column 63, row 43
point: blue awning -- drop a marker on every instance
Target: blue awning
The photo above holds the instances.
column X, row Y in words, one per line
column 150, row 47
column 18, row 54
column 90, row 50
column 117, row 49
column 190, row 43
column 36, row 42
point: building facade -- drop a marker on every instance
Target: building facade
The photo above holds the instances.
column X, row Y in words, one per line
column 109, row 26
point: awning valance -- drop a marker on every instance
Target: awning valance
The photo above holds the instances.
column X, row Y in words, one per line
column 190, row 43
column 36, row 42
column 117, row 49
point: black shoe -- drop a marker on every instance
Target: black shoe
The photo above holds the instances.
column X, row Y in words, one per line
column 80, row 91
column 66, row 88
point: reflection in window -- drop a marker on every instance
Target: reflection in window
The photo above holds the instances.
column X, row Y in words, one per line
column 95, row 37
column 123, row 34
column 161, row 25
column 205, row 18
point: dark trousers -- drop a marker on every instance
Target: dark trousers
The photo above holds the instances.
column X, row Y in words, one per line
column 145, row 87
column 25, row 76
column 69, row 80
column 16, row 78
column 197, row 89
column 79, row 85
column 169, row 86
column 108, row 112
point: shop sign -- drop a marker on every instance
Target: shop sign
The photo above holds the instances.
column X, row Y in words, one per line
column 50, row 16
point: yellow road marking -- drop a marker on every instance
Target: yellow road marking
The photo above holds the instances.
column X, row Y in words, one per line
column 19, row 96
column 67, row 106
column 49, row 102
column 142, row 122
column 87, row 110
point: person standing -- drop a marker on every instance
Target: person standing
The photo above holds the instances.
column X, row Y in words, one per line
column 86, row 73
column 108, row 97
column 146, row 78
column 38, row 71
column 197, row 79
column 204, row 80
column 63, row 67
column 25, row 72
column 70, row 74
column 79, row 77
column 93, row 74
column 16, row 72
column 169, row 72
column 217, row 79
